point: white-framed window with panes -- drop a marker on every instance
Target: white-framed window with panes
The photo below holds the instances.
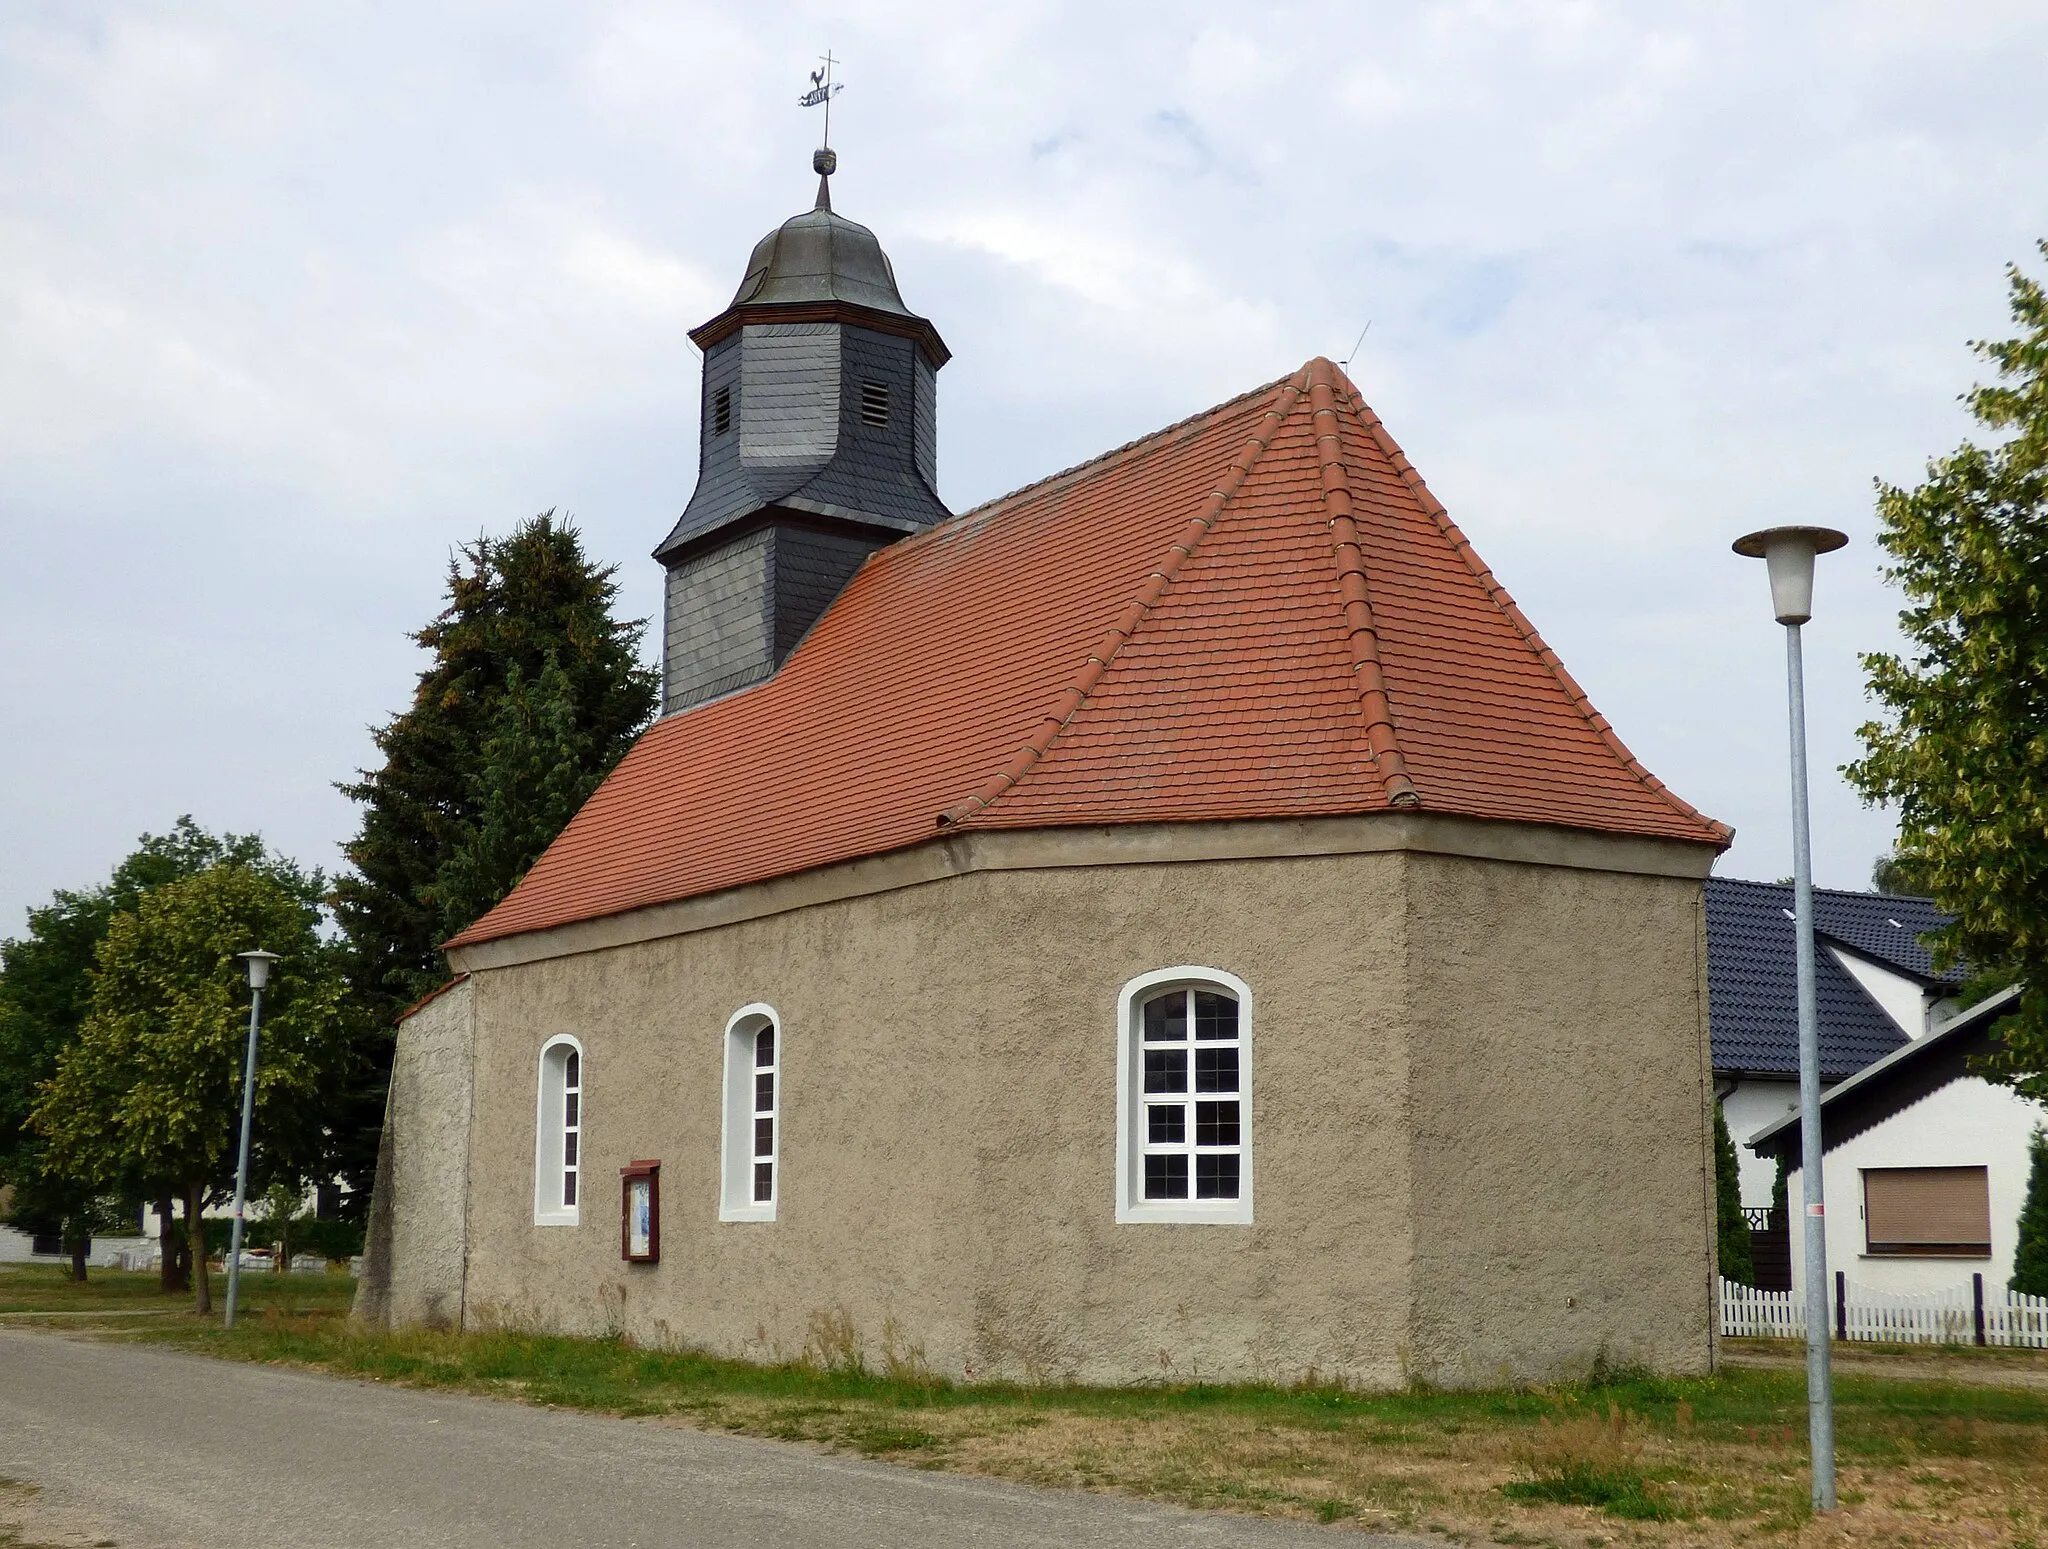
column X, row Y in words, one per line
column 558, row 1134
column 751, row 1165
column 1184, row 1097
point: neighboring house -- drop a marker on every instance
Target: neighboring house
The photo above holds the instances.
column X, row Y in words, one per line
column 1179, row 919
column 1926, row 1163
column 19, row 1247
column 107, row 1249
column 1875, row 987
column 324, row 1201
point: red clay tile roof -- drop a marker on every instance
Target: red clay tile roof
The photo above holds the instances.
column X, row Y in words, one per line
column 428, row 999
column 1259, row 612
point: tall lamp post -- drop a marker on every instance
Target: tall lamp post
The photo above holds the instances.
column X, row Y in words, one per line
column 1789, row 551
column 258, row 963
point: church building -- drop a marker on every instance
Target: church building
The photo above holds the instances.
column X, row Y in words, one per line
column 1177, row 921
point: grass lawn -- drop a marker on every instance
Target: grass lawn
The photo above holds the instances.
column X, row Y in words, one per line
column 111, row 1294
column 1925, row 1459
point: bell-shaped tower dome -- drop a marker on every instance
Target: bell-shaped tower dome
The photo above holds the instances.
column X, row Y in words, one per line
column 821, row 256
column 818, row 443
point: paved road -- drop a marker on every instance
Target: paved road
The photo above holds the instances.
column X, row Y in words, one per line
column 161, row 1449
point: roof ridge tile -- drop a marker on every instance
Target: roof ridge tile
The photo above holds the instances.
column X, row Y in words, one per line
column 1837, row 892
column 1285, row 398
column 1360, row 632
column 1038, row 486
column 1503, row 600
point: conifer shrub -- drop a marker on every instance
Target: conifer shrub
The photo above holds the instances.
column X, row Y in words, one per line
column 2030, row 1262
column 1731, row 1226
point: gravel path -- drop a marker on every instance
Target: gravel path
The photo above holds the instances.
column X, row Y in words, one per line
column 1992, row 1369
column 158, row 1449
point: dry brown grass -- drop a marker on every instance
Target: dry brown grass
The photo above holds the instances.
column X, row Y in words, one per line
column 1445, row 1478
column 1937, row 1448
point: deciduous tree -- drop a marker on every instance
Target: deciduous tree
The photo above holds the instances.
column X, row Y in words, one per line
column 280, row 1216
column 152, row 1086
column 1888, row 874
column 45, row 995
column 1963, row 751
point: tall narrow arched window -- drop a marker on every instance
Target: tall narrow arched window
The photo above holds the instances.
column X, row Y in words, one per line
column 1184, row 1097
column 558, row 1134
column 751, row 1166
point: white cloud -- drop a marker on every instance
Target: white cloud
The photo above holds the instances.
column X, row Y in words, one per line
column 292, row 300
column 1141, row 290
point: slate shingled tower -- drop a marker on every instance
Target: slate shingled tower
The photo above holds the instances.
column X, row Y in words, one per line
column 818, row 445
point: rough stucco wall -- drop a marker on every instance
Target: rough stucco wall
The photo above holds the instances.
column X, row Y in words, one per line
column 1561, row 1078
column 372, row 1304
column 419, row 1206
column 948, row 1126
column 948, row 1141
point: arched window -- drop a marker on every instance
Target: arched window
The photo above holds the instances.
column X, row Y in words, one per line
column 558, row 1134
column 751, row 1168
column 1184, row 1097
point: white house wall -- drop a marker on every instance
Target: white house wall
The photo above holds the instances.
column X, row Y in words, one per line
column 1968, row 1123
column 16, row 1247
column 1749, row 1108
column 220, row 1210
column 1900, row 998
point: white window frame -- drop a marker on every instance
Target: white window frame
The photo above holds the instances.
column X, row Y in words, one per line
column 549, row 1129
column 736, row 1200
column 1131, row 1204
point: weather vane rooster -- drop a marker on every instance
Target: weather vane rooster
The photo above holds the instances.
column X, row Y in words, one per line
column 823, row 90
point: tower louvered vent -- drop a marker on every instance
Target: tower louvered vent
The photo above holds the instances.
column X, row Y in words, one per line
column 721, row 411
column 874, row 404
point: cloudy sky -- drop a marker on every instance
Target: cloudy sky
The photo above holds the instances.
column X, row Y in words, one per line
column 292, row 299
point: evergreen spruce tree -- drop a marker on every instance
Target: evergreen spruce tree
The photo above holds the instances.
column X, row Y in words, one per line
column 515, row 604
column 1731, row 1226
column 2030, row 1263
column 1963, row 753
column 536, row 770
column 533, row 693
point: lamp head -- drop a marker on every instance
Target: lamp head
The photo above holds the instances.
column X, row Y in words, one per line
column 258, row 963
column 1789, row 552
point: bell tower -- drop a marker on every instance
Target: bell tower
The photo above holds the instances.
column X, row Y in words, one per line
column 817, row 445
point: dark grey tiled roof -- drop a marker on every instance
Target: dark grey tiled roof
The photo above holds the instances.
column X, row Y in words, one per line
column 1885, row 926
column 1751, row 988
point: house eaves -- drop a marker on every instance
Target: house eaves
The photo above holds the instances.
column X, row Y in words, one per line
column 1894, row 1083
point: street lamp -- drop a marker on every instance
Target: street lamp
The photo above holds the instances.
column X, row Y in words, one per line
column 258, row 963
column 1789, row 552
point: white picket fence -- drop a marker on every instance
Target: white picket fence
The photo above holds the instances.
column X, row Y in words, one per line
column 1934, row 1318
